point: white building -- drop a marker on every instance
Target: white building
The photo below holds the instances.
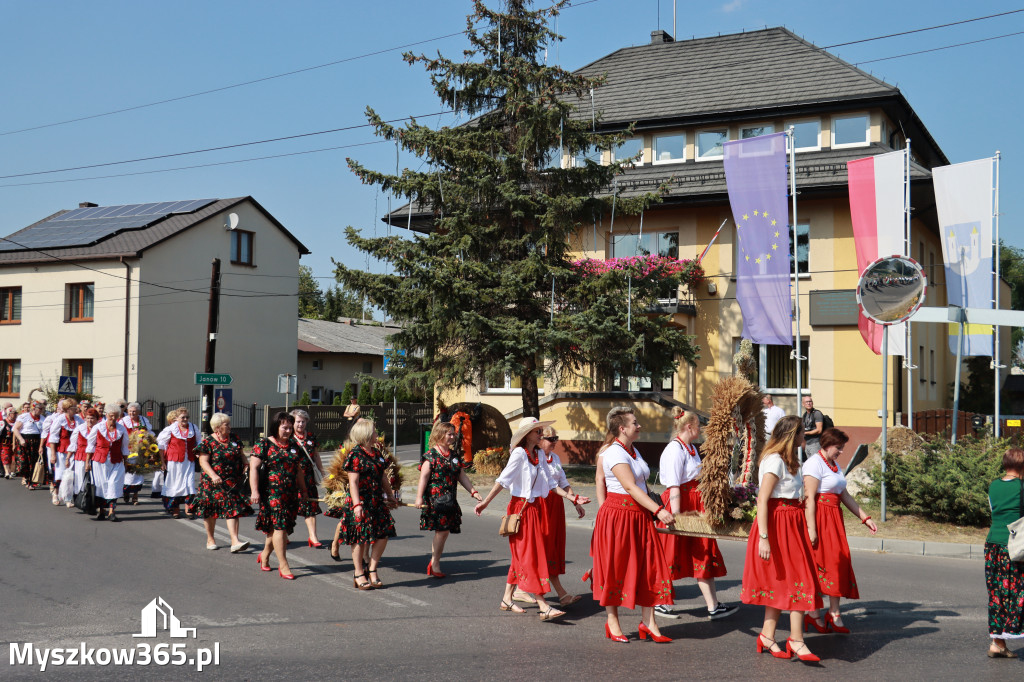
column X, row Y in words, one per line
column 117, row 296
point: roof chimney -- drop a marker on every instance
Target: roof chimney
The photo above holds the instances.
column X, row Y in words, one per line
column 659, row 37
column 87, row 204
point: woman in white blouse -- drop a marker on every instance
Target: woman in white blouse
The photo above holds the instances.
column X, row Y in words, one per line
column 77, row 457
column 825, row 488
column 108, row 446
column 132, row 421
column 58, row 440
column 528, row 481
column 629, row 565
column 689, row 557
column 779, row 573
column 177, row 445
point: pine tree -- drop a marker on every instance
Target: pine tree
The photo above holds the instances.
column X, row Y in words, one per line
column 475, row 294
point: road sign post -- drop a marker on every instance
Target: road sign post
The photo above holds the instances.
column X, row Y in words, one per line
column 287, row 384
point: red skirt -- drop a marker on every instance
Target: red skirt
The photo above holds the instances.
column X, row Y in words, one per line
column 529, row 569
column 629, row 565
column 787, row 580
column 5, row 454
column 554, row 532
column 690, row 557
column 832, row 555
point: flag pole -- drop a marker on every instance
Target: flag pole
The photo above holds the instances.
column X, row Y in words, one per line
column 908, row 357
column 995, row 329
column 885, row 407
column 796, row 276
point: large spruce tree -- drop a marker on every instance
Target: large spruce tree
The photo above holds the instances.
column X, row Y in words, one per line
column 492, row 289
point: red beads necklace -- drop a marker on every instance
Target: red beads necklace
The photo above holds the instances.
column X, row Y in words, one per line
column 532, row 457
column 689, row 449
column 834, row 468
column 630, row 451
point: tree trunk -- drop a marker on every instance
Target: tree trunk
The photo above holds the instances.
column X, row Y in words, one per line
column 531, row 397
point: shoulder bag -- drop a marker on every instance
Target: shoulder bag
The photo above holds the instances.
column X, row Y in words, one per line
column 318, row 478
column 39, row 472
column 1015, row 547
column 85, row 500
column 510, row 522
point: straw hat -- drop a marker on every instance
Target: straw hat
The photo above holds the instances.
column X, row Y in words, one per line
column 526, row 424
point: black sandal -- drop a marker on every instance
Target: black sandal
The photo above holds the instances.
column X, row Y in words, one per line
column 361, row 586
column 336, row 546
column 377, row 584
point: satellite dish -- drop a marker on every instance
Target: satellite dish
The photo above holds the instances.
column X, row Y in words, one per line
column 891, row 290
column 231, row 222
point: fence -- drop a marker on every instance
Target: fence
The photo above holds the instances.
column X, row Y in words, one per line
column 941, row 422
column 329, row 423
column 245, row 420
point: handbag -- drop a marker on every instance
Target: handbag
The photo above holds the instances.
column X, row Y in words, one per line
column 443, row 503
column 66, row 492
column 510, row 522
column 318, row 478
column 39, row 473
column 1015, row 546
column 85, row 500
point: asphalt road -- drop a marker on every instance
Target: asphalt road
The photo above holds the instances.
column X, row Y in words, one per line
column 68, row 580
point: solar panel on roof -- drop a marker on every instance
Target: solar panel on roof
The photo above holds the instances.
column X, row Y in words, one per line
column 87, row 226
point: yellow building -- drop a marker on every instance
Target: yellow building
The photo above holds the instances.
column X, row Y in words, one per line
column 684, row 100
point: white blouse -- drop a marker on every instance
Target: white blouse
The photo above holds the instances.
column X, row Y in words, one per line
column 789, row 486
column 101, row 427
column 81, row 430
column 173, row 430
column 128, row 424
column 555, row 472
column 830, row 481
column 679, row 464
column 616, row 454
column 29, row 425
column 524, row 479
column 57, row 423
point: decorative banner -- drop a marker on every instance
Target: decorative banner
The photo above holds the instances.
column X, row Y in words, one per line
column 755, row 174
column 963, row 198
column 878, row 214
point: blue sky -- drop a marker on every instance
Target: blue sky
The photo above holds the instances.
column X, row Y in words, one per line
column 68, row 59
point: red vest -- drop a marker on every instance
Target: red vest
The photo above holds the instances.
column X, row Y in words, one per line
column 106, row 447
column 65, row 435
column 80, row 455
column 179, row 448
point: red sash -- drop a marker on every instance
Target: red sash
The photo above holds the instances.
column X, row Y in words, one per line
column 65, row 435
column 105, row 447
column 180, row 448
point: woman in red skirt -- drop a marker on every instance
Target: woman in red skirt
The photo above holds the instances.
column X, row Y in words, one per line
column 779, row 572
column 825, row 488
column 527, row 478
column 629, row 565
column 689, row 557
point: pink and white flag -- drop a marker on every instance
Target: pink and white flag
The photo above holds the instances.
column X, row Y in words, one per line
column 877, row 211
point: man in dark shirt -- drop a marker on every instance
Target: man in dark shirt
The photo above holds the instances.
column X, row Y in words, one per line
column 813, row 420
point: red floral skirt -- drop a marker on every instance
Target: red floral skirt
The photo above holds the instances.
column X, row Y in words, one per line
column 6, row 457
column 629, row 565
column 832, row 554
column 690, row 557
column 787, row 581
column 529, row 568
column 554, row 532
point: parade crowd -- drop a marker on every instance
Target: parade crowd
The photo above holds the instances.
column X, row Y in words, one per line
column 797, row 550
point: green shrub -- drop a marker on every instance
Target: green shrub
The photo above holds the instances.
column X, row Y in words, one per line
column 337, row 400
column 366, row 394
column 347, row 394
column 943, row 482
column 305, row 399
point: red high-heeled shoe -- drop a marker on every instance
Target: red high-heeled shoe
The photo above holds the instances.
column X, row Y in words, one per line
column 813, row 623
column 615, row 638
column 646, row 632
column 432, row 573
column 315, row 545
column 830, row 622
column 807, row 658
column 761, row 648
column 286, row 577
column 259, row 560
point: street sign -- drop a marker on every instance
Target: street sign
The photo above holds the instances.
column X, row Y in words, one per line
column 400, row 359
column 67, row 386
column 287, row 383
column 222, row 400
column 208, row 379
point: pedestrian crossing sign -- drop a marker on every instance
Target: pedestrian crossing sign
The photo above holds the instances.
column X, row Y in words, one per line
column 67, row 386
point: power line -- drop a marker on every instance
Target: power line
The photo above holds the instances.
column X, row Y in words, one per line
column 920, row 30
column 937, row 49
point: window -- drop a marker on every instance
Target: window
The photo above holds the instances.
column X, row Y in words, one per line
column 10, row 305
column 82, row 369
column 318, row 364
column 632, row 384
column 931, row 365
column 850, row 131
column 511, row 385
column 368, row 367
column 756, row 131
column 807, row 135
column 591, row 153
column 628, row 149
column 241, row 247
column 920, row 363
column 10, row 378
column 669, row 148
column 709, row 144
column 553, row 159
column 776, row 370
column 316, row 394
column 668, row 383
column 803, row 248
column 79, row 303
column 651, row 243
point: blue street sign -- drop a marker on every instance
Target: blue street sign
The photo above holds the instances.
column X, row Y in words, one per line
column 222, row 400
column 67, row 386
column 388, row 352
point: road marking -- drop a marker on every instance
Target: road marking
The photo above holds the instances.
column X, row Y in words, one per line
column 318, row 572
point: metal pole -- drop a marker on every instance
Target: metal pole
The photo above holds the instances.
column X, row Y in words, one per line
column 908, row 358
column 798, row 356
column 959, row 362
column 394, row 422
column 885, row 407
column 212, row 320
column 674, row 37
column 995, row 329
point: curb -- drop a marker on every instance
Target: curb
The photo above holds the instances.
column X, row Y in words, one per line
column 947, row 550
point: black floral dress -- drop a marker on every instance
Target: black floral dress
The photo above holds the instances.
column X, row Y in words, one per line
column 444, row 478
column 227, row 500
column 377, row 521
column 308, row 507
column 280, row 505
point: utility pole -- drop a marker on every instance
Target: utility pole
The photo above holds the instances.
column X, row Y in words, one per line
column 211, row 341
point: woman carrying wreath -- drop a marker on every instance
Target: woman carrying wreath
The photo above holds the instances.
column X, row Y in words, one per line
column 440, row 474
column 132, row 422
column 220, row 487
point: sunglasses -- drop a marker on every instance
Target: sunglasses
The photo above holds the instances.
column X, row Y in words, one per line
column 552, row 439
